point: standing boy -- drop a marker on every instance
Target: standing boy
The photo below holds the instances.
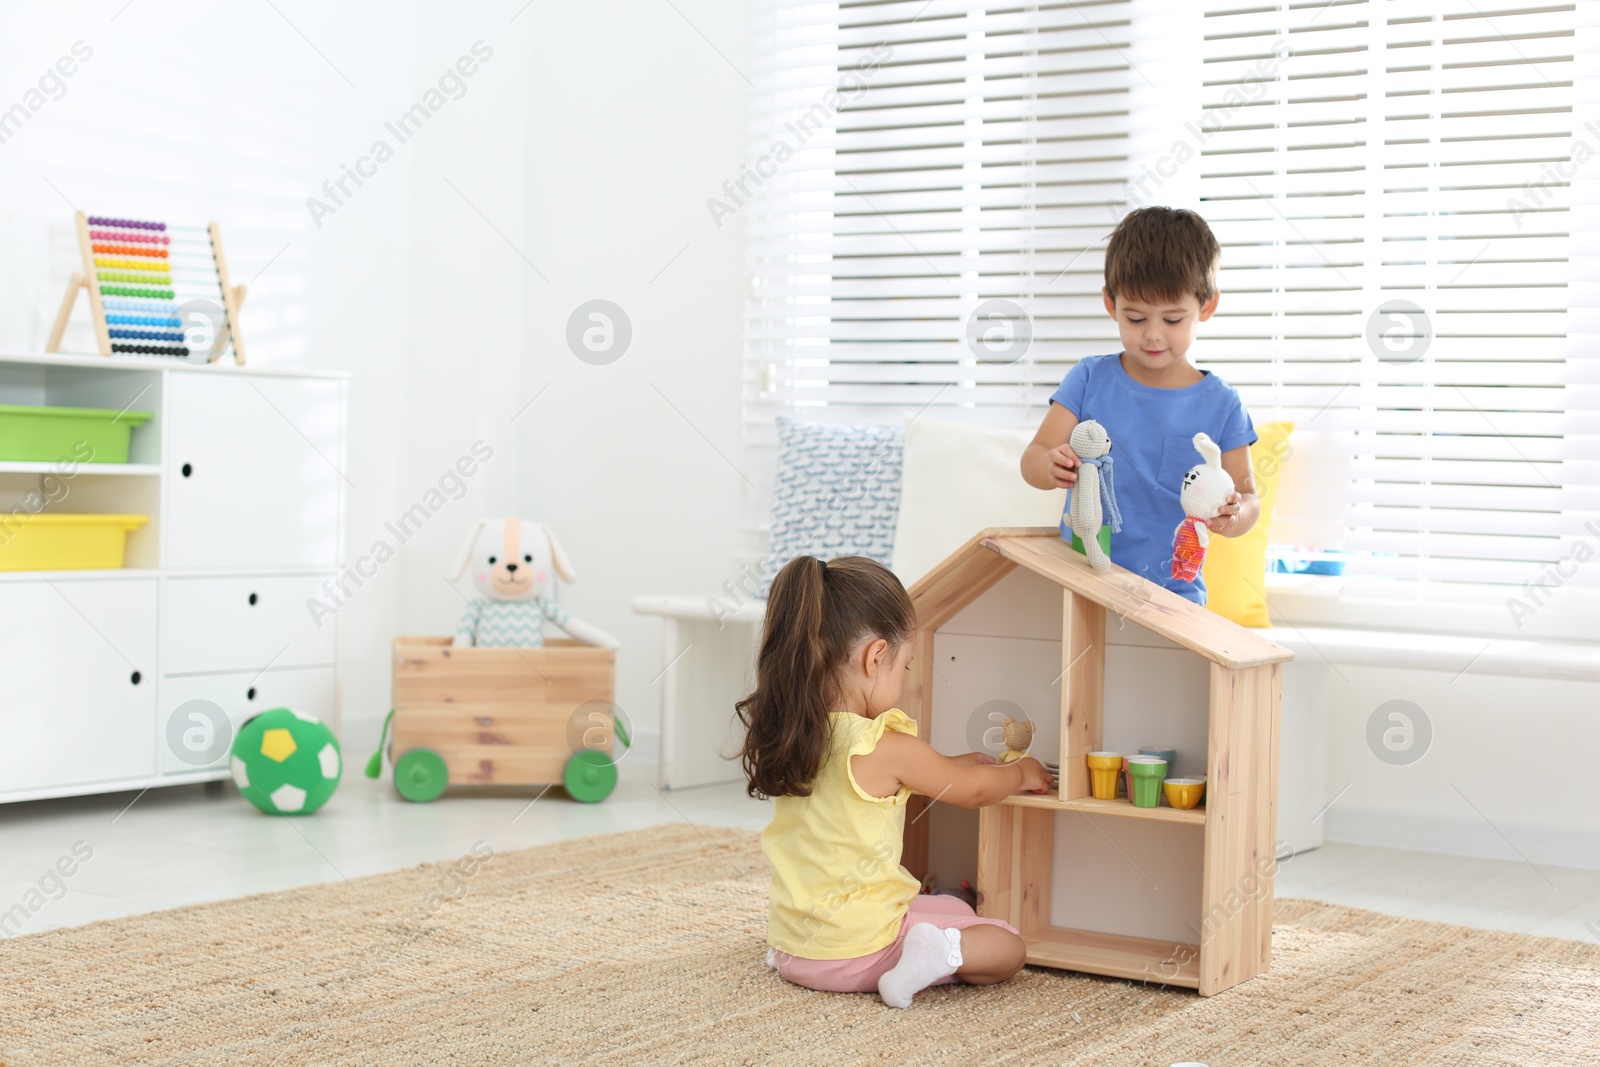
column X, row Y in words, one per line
column 1160, row 284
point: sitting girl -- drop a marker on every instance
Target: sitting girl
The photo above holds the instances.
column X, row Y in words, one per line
column 824, row 740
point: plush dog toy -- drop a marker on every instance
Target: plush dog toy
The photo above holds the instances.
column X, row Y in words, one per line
column 511, row 561
column 1084, row 515
column 1205, row 489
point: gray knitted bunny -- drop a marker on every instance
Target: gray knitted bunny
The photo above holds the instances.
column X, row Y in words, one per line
column 1084, row 514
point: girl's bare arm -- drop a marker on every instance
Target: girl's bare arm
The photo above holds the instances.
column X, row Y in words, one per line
column 903, row 760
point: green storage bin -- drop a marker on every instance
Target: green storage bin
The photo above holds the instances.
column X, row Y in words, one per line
column 45, row 435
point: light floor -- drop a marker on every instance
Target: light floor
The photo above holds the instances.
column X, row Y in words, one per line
column 186, row 845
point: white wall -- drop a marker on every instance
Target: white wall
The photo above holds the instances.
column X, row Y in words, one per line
column 585, row 146
column 640, row 120
column 589, row 144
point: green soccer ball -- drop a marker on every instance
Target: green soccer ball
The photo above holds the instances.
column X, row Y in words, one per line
column 286, row 762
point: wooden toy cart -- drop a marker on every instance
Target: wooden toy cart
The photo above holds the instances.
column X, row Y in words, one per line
column 466, row 717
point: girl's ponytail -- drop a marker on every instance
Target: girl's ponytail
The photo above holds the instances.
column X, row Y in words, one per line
column 816, row 612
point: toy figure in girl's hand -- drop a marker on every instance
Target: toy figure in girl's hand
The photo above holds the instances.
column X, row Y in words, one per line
column 1206, row 488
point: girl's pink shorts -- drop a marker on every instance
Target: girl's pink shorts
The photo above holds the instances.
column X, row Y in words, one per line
column 860, row 974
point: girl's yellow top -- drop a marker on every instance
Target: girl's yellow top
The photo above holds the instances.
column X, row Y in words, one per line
column 838, row 890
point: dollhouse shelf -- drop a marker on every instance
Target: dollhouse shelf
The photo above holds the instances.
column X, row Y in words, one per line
column 1115, row 955
column 1121, row 807
column 1015, row 603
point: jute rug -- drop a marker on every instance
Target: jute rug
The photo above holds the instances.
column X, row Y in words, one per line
column 646, row 948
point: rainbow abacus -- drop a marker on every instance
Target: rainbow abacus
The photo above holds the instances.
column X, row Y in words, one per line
column 144, row 279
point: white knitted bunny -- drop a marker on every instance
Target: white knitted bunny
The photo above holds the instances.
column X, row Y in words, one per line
column 1205, row 489
column 1084, row 515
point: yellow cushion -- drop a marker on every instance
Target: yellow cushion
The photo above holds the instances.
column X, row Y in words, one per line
column 1235, row 569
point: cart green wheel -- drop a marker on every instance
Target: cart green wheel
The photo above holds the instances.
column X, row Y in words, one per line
column 420, row 774
column 589, row 776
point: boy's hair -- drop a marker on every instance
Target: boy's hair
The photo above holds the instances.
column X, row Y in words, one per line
column 1162, row 253
column 816, row 613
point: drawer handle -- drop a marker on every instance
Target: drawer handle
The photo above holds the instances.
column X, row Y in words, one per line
column 135, row 677
column 250, row 694
column 252, row 600
column 187, row 470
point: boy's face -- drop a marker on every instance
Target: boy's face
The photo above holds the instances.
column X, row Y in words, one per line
column 1157, row 334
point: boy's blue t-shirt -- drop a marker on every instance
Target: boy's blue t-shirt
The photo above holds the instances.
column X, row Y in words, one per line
column 1152, row 447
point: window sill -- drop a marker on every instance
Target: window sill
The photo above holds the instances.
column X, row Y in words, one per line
column 1317, row 585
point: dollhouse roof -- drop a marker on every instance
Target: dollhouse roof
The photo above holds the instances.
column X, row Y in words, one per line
column 993, row 553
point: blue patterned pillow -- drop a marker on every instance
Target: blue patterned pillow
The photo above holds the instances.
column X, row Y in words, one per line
column 836, row 492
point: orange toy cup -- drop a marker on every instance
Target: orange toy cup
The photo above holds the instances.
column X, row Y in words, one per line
column 1103, row 770
column 1183, row 792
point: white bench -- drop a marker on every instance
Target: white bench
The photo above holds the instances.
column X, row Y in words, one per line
column 708, row 650
column 707, row 663
column 1303, row 794
column 1572, row 661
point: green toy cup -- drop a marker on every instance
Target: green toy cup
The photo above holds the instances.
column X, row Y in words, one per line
column 1103, row 535
column 1145, row 774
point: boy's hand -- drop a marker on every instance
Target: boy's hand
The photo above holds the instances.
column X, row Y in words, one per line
column 1035, row 779
column 973, row 759
column 1064, row 464
column 1227, row 516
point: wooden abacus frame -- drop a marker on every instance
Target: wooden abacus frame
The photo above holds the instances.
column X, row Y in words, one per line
column 89, row 280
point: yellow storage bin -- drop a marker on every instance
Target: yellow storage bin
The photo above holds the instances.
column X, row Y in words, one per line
column 64, row 542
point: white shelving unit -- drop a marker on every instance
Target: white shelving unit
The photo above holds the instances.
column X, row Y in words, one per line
column 240, row 471
column 101, row 469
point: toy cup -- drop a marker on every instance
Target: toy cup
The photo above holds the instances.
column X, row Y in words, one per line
column 1103, row 768
column 1183, row 792
column 1162, row 752
column 1144, row 780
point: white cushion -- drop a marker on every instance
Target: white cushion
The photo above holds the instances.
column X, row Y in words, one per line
column 957, row 480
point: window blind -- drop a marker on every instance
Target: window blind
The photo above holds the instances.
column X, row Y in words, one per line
column 969, row 161
column 1402, row 277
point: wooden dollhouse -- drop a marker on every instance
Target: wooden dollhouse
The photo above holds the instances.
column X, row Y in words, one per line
column 1102, row 660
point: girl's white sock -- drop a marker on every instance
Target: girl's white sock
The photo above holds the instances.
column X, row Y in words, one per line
column 928, row 955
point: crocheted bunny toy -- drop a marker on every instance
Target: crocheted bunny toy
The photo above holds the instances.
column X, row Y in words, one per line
column 1019, row 735
column 1205, row 489
column 1084, row 516
column 511, row 561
